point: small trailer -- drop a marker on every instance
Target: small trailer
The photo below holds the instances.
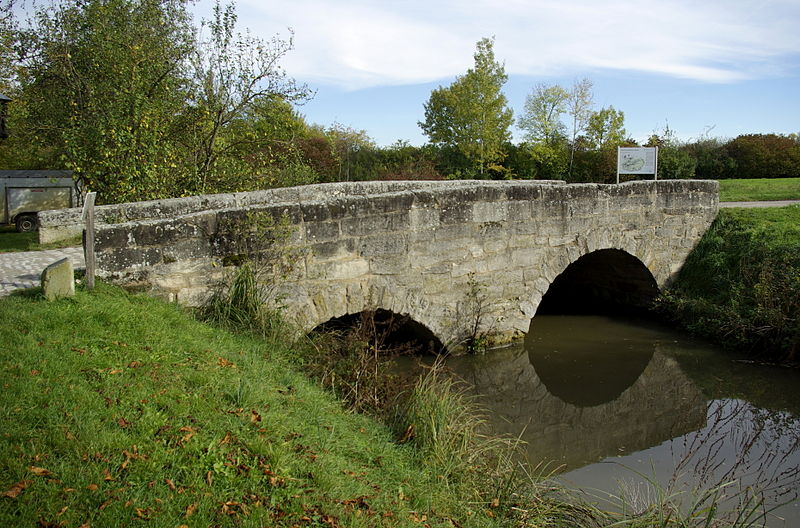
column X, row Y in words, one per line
column 23, row 193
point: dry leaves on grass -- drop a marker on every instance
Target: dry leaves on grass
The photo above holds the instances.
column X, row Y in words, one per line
column 17, row 488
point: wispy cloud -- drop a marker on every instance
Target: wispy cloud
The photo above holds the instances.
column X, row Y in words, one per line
column 361, row 43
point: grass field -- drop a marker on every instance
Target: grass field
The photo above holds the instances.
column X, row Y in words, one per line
column 759, row 189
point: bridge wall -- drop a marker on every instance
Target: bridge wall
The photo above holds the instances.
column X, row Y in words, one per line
column 420, row 248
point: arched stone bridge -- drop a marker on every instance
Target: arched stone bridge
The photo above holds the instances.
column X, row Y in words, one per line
column 425, row 249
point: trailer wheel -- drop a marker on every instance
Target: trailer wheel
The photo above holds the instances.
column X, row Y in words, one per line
column 26, row 223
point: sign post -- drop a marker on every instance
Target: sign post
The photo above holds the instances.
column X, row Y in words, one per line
column 637, row 160
column 88, row 238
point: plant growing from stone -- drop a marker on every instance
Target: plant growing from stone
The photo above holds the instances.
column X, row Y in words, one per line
column 256, row 249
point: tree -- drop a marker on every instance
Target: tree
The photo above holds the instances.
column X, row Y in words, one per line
column 100, row 84
column 579, row 109
column 765, row 155
column 606, row 128
column 674, row 162
column 541, row 118
column 230, row 73
column 471, row 114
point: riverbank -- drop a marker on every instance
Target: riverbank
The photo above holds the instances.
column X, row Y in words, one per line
column 741, row 285
column 119, row 409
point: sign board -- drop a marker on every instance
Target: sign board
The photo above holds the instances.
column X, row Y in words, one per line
column 637, row 160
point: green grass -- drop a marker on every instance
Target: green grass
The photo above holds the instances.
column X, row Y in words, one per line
column 119, row 409
column 10, row 241
column 764, row 189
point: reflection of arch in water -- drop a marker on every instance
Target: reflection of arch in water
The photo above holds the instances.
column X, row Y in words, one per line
column 603, row 281
column 661, row 404
column 600, row 364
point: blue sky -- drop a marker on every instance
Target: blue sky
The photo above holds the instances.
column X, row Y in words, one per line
column 725, row 66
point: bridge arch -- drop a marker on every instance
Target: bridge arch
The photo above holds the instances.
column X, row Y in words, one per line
column 601, row 281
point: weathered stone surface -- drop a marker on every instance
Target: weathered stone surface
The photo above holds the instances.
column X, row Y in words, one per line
column 411, row 247
column 58, row 280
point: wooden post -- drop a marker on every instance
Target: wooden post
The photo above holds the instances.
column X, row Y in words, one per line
column 88, row 238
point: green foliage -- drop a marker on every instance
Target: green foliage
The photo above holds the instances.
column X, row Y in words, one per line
column 606, row 128
column 759, row 189
column 541, row 117
column 102, row 85
column 472, row 114
column 741, row 284
column 765, row 156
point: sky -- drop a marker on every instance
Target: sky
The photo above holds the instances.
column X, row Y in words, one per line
column 712, row 67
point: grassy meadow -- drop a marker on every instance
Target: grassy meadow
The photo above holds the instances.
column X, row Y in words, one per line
column 759, row 189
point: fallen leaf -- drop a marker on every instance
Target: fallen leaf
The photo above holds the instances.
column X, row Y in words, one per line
column 69, row 436
column 208, row 478
column 62, row 511
column 17, row 488
column 170, row 484
column 226, row 440
column 254, row 417
column 122, row 422
column 134, row 364
column 35, row 372
column 190, row 510
column 92, row 487
column 115, row 372
column 107, row 475
column 40, row 472
column 222, row 362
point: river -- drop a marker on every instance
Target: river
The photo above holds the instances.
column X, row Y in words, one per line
column 624, row 408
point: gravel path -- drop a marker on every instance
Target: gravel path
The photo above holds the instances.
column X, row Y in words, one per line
column 24, row 269
column 775, row 203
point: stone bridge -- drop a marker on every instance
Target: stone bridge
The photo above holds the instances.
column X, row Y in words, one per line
column 447, row 254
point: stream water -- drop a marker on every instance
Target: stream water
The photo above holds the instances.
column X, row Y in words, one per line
column 616, row 406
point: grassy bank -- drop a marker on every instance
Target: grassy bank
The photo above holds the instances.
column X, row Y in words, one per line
column 120, row 409
column 759, row 189
column 741, row 284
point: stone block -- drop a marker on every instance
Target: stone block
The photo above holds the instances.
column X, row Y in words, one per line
column 58, row 280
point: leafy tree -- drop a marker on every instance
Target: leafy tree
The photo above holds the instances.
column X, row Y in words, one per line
column 541, row 118
column 606, row 128
column 765, row 156
column 471, row 115
column 674, row 162
column 101, row 82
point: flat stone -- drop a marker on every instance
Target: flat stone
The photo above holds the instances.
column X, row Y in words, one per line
column 58, row 280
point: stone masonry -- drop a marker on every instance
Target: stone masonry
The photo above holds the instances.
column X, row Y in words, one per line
column 415, row 248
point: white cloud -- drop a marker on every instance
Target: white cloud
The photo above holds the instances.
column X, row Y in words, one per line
column 360, row 43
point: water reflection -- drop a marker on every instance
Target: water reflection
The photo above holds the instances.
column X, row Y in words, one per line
column 609, row 402
column 607, row 398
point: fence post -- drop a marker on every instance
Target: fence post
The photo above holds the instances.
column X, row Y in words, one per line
column 88, row 238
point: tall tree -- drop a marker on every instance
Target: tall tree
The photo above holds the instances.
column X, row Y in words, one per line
column 579, row 109
column 471, row 114
column 231, row 73
column 606, row 128
column 101, row 84
column 541, row 118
